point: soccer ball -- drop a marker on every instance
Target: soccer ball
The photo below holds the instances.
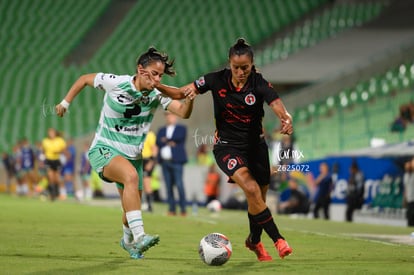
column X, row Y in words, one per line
column 215, row 249
column 214, row 206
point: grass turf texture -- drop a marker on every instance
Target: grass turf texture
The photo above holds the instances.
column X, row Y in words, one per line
column 69, row 238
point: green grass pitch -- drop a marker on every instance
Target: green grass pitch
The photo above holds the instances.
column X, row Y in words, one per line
column 41, row 237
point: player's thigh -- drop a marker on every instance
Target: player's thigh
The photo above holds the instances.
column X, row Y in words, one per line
column 121, row 170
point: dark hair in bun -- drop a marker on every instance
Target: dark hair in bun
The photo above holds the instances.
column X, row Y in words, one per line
column 153, row 55
column 241, row 47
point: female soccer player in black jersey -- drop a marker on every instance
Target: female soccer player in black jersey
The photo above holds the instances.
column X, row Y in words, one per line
column 240, row 150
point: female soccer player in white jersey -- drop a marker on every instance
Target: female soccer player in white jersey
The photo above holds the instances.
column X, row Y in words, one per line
column 129, row 105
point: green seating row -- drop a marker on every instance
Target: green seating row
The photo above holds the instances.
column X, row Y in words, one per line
column 200, row 42
column 41, row 33
column 350, row 118
column 339, row 17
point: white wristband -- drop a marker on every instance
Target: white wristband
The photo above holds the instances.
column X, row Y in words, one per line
column 65, row 104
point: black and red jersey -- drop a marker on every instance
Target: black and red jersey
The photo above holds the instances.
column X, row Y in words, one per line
column 238, row 112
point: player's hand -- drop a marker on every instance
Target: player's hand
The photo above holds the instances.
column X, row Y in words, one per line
column 287, row 126
column 143, row 72
column 148, row 77
column 190, row 93
column 60, row 110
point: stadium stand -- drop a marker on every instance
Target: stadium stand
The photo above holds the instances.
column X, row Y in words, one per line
column 334, row 19
column 41, row 34
column 352, row 117
column 196, row 31
column 37, row 49
column 361, row 89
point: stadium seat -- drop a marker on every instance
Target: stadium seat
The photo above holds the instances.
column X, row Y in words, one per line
column 340, row 16
column 354, row 115
column 35, row 50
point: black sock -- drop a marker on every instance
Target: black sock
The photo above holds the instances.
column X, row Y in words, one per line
column 149, row 201
column 53, row 190
column 50, row 190
column 265, row 220
column 255, row 230
column 56, row 190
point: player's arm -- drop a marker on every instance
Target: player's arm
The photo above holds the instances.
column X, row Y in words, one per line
column 285, row 118
column 183, row 108
column 178, row 93
column 80, row 83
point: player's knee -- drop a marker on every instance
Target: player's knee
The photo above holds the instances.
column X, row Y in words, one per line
column 251, row 190
column 131, row 179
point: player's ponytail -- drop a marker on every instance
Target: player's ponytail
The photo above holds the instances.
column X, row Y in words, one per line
column 153, row 55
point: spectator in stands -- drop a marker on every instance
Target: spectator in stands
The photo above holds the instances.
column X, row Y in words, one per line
column 297, row 202
column 324, row 186
column 129, row 105
column 398, row 125
column 240, row 150
column 408, row 181
column 355, row 191
column 405, row 117
column 407, row 112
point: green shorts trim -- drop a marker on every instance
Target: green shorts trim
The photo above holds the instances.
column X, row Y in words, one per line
column 101, row 155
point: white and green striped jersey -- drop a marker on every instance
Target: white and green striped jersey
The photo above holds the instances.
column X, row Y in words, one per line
column 126, row 114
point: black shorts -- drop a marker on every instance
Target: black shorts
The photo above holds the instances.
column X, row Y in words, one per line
column 54, row 165
column 147, row 172
column 256, row 158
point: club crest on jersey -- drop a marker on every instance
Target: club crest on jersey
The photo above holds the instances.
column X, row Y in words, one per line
column 142, row 100
column 200, row 82
column 145, row 100
column 231, row 163
column 250, row 99
column 106, row 153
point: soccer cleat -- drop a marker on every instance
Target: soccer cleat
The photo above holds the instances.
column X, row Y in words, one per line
column 146, row 241
column 261, row 253
column 283, row 248
column 133, row 252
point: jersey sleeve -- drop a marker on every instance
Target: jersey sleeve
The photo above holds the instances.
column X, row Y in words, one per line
column 164, row 100
column 266, row 89
column 203, row 84
column 106, row 82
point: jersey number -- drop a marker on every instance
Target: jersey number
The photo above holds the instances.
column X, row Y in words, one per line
column 132, row 110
